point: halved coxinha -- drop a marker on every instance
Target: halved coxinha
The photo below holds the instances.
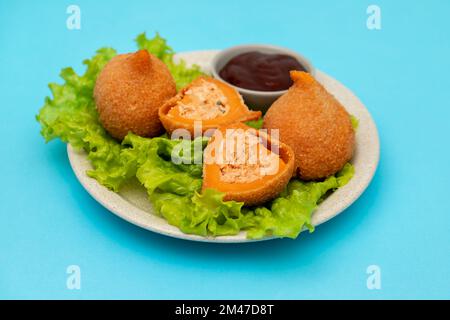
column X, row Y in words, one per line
column 246, row 164
column 206, row 100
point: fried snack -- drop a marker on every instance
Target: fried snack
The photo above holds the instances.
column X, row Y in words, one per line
column 315, row 125
column 206, row 100
column 129, row 91
column 246, row 164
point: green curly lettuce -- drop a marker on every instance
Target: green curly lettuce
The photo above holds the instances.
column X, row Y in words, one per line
column 292, row 210
column 174, row 191
column 355, row 122
column 256, row 124
column 71, row 116
column 170, row 174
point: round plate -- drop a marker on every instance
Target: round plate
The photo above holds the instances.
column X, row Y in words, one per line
column 132, row 203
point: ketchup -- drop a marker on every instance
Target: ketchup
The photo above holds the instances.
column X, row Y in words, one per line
column 260, row 71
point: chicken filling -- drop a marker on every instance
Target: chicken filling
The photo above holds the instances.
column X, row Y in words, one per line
column 246, row 159
column 203, row 102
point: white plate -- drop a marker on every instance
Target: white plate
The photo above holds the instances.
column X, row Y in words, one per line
column 132, row 204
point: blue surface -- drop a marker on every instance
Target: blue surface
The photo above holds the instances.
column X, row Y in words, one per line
column 401, row 223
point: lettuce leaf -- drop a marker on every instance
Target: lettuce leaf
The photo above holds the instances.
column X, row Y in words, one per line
column 71, row 116
column 257, row 124
column 355, row 122
column 292, row 210
column 172, row 186
column 174, row 191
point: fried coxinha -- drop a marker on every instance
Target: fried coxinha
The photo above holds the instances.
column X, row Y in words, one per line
column 129, row 91
column 253, row 172
column 246, row 164
column 315, row 124
column 206, row 100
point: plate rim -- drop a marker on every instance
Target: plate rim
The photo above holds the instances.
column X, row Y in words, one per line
column 96, row 190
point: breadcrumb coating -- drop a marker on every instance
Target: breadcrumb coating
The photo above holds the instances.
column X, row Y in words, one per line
column 129, row 91
column 315, row 125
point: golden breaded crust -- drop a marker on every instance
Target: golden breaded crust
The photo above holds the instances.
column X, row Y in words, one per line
column 267, row 192
column 172, row 124
column 315, row 125
column 129, row 91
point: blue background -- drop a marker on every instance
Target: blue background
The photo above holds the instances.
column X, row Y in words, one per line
column 401, row 223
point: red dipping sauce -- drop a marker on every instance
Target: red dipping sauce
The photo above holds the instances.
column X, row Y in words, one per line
column 260, row 71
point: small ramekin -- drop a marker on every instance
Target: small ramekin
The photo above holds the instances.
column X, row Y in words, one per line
column 258, row 100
